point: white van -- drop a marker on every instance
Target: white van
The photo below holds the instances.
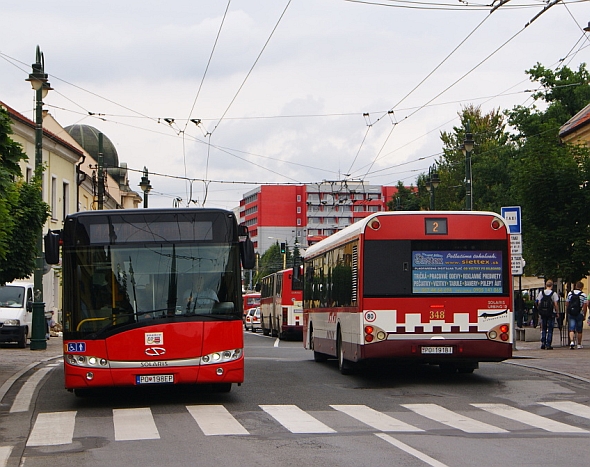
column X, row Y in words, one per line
column 16, row 312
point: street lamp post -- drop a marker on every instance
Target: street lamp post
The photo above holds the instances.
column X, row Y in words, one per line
column 145, row 186
column 38, row 80
column 432, row 182
column 467, row 148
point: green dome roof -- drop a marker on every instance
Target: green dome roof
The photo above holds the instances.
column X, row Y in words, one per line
column 87, row 137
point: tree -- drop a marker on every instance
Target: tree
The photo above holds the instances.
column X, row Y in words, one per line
column 490, row 162
column 551, row 179
column 405, row 199
column 22, row 211
column 271, row 261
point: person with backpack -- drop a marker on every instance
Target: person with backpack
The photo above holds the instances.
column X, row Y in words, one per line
column 548, row 310
column 576, row 305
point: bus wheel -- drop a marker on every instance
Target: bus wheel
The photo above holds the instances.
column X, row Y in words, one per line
column 265, row 330
column 345, row 366
column 222, row 387
column 317, row 356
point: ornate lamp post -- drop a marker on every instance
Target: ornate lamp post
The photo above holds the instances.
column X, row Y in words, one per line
column 38, row 80
column 145, row 186
column 432, row 182
column 468, row 144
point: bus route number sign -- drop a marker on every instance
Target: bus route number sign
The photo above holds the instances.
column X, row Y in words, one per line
column 436, row 226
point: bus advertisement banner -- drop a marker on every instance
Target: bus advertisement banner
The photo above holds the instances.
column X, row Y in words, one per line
column 457, row 272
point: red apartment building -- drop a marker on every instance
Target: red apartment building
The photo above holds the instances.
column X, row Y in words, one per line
column 305, row 214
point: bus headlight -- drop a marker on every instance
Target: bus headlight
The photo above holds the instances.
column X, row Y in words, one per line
column 221, row 357
column 87, row 362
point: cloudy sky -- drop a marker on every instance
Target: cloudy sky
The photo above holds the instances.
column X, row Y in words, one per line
column 216, row 97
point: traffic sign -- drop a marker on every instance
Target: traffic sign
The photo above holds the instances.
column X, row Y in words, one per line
column 517, row 264
column 512, row 216
column 516, row 245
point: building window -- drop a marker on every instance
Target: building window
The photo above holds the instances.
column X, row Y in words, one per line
column 53, row 196
column 299, row 198
column 298, row 209
column 66, row 200
column 298, row 221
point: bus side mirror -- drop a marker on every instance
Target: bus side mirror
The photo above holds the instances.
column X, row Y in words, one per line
column 51, row 240
column 247, row 253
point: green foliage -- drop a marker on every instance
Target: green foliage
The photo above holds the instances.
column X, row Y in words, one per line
column 552, row 178
column 272, row 261
column 406, row 199
column 22, row 211
column 490, row 161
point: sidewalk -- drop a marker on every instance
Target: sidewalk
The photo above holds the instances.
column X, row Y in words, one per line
column 562, row 359
column 14, row 362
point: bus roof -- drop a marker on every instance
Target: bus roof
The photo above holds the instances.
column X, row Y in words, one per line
column 359, row 226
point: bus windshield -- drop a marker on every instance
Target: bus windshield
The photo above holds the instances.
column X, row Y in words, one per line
column 122, row 285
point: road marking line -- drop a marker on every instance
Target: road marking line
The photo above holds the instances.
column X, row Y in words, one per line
column 276, row 344
column 374, row 419
column 22, row 401
column 52, row 429
column 4, row 455
column 572, row 408
column 296, row 420
column 410, row 450
column 216, row 420
column 528, row 418
column 134, row 424
column 453, row 419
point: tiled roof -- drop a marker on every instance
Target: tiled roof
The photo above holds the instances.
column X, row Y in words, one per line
column 46, row 133
column 581, row 119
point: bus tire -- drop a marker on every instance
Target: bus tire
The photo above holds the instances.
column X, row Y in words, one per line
column 317, row 356
column 345, row 366
column 222, row 387
column 265, row 330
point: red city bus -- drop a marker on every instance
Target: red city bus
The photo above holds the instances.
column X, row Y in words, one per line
column 424, row 287
column 250, row 300
column 153, row 297
column 281, row 305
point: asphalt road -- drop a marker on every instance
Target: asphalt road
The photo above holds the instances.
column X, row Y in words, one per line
column 292, row 411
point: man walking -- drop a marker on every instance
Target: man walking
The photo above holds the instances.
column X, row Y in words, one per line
column 548, row 310
column 576, row 305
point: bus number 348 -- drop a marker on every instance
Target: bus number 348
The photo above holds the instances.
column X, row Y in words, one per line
column 439, row 314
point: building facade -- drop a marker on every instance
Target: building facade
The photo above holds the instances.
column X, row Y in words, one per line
column 68, row 183
column 304, row 214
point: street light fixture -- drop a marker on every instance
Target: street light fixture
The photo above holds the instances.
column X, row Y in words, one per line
column 145, row 186
column 432, row 182
column 38, row 80
column 468, row 145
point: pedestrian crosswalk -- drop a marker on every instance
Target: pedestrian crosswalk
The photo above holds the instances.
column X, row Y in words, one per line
column 131, row 424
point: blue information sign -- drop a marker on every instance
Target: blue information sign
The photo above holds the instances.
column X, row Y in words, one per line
column 512, row 216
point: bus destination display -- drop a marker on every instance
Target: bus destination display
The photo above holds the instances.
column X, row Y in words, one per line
column 457, row 272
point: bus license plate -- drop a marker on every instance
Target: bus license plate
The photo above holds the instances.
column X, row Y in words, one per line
column 437, row 350
column 154, row 379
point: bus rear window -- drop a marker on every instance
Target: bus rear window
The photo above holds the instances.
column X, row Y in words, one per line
column 421, row 267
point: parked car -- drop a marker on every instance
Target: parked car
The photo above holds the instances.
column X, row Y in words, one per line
column 253, row 319
column 16, row 313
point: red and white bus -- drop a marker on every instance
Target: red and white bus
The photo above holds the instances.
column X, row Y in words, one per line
column 281, row 305
column 153, row 296
column 250, row 300
column 424, row 287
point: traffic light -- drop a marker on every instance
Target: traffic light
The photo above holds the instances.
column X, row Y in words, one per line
column 283, row 247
